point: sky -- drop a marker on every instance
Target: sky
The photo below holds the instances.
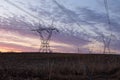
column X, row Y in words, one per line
column 81, row 24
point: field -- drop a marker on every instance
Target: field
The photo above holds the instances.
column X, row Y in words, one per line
column 34, row 66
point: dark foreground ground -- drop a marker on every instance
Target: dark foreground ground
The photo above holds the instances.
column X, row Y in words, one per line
column 33, row 66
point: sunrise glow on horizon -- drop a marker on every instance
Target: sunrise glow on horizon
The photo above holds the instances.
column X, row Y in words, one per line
column 79, row 23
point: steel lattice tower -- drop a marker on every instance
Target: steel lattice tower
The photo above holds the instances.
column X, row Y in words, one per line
column 45, row 34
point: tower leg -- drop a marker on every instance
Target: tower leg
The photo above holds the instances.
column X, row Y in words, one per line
column 45, row 47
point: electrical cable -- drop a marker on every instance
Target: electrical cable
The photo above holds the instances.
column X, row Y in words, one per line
column 62, row 8
column 69, row 15
column 107, row 14
column 24, row 10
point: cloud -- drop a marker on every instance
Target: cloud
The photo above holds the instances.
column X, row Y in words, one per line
column 85, row 17
column 6, row 47
column 114, row 6
column 100, row 18
column 92, row 16
column 18, row 25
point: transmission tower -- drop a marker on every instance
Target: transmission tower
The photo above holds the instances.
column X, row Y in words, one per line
column 107, row 40
column 45, row 34
column 106, row 43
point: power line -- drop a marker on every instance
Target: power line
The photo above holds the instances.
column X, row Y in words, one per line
column 11, row 3
column 24, row 10
column 62, row 8
column 107, row 39
column 42, row 20
column 107, row 13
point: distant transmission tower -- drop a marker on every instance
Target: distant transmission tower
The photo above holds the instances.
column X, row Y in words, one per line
column 106, row 42
column 45, row 34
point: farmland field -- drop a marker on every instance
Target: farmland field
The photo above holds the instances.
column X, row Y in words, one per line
column 59, row 66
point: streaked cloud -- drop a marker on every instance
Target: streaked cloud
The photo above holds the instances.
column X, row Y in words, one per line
column 78, row 24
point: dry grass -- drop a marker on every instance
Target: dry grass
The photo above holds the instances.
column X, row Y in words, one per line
column 34, row 66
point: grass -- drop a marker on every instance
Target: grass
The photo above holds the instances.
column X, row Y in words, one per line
column 33, row 66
